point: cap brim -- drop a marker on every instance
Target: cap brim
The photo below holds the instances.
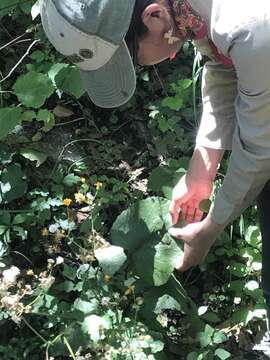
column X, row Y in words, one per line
column 114, row 83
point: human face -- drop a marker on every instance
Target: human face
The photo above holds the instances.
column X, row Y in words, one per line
column 154, row 47
column 153, row 52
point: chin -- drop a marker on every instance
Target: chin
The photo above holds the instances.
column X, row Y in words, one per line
column 154, row 62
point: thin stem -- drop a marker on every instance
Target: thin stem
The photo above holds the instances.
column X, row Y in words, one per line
column 34, row 330
column 20, row 61
column 69, row 348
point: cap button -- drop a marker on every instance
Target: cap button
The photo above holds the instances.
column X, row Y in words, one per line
column 86, row 53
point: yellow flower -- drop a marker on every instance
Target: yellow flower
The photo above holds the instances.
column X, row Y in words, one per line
column 44, row 232
column 130, row 289
column 107, row 278
column 98, row 185
column 80, row 198
column 30, row 272
column 67, row 202
column 83, row 179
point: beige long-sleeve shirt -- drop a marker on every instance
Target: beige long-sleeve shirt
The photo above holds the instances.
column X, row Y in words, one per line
column 236, row 101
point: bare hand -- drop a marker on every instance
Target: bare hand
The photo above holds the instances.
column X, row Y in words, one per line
column 198, row 239
column 186, row 197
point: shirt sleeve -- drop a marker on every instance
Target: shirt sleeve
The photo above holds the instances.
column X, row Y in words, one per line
column 249, row 165
column 219, row 91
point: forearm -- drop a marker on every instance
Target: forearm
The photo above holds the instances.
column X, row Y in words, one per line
column 204, row 162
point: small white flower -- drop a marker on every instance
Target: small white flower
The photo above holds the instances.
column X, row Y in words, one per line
column 46, row 283
column 10, row 301
column 53, row 228
column 59, row 260
column 10, row 276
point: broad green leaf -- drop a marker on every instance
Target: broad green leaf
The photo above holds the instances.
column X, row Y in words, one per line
column 21, row 232
column 222, row 354
column 253, row 235
column 28, row 116
column 71, row 180
column 205, row 337
column 33, row 89
column 173, row 102
column 87, row 307
column 111, row 259
column 5, row 218
column 69, row 80
column 3, row 229
column 12, row 183
column 238, row 269
column 70, row 272
column 211, row 317
column 34, row 155
column 139, row 223
column 193, row 356
column 55, row 69
column 163, row 179
column 9, row 118
column 219, row 337
column 166, row 302
column 156, row 260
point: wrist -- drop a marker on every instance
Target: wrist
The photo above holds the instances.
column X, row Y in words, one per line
column 212, row 226
column 204, row 163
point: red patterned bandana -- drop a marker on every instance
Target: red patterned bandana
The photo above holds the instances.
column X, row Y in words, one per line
column 192, row 27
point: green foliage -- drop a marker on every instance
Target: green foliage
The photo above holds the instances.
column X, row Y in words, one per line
column 64, row 179
column 9, row 118
column 32, row 89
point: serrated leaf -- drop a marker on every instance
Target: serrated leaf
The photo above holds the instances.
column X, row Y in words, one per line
column 111, row 259
column 34, row 155
column 9, row 119
column 173, row 102
column 33, row 89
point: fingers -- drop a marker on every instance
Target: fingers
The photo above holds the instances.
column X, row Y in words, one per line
column 198, row 215
column 174, row 211
column 190, row 212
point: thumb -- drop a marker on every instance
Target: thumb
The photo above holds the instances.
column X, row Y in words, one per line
column 174, row 211
column 176, row 232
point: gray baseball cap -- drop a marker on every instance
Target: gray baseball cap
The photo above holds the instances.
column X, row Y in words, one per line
column 90, row 33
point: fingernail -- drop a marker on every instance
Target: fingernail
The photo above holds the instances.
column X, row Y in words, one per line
column 173, row 231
